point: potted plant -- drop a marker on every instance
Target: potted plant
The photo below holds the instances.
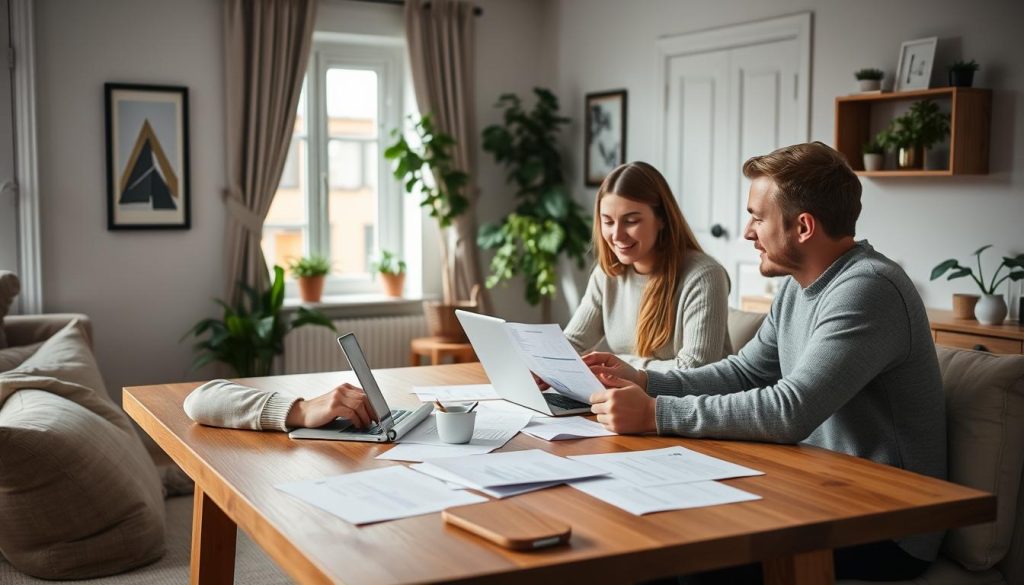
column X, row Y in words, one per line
column 392, row 272
column 428, row 168
column 251, row 334
column 310, row 271
column 547, row 222
column 961, row 73
column 923, row 126
column 869, row 79
column 874, row 155
column 991, row 309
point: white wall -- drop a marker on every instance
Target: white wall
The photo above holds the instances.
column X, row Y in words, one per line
column 607, row 44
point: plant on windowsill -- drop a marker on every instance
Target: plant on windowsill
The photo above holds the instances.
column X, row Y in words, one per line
column 961, row 73
column 392, row 272
column 547, row 222
column 428, row 168
column 922, row 127
column 310, row 272
column 869, row 79
column 251, row 334
column 991, row 309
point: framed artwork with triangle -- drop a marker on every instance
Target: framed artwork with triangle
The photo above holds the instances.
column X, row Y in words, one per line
column 147, row 157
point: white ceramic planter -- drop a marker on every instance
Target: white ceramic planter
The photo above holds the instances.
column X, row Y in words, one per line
column 990, row 310
column 874, row 162
column 869, row 84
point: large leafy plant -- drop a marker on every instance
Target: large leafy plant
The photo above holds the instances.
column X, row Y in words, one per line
column 547, row 221
column 924, row 125
column 1016, row 266
column 250, row 334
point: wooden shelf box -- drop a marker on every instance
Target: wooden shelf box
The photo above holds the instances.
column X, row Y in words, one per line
column 970, row 114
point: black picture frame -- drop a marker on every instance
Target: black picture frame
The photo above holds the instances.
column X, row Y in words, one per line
column 604, row 142
column 148, row 170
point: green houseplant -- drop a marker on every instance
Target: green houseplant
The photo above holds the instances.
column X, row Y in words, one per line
column 869, row 79
column 392, row 271
column 547, row 221
column 250, row 334
column 310, row 272
column 991, row 309
column 923, row 126
column 961, row 73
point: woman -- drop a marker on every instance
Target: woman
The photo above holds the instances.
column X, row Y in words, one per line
column 658, row 300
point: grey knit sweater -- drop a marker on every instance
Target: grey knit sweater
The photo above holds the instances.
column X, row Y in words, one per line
column 223, row 403
column 700, row 334
column 847, row 364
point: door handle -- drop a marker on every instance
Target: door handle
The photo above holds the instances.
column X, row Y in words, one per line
column 717, row 231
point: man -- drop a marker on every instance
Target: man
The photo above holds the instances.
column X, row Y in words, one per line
column 844, row 360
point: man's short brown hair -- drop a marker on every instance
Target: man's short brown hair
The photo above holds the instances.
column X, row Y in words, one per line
column 812, row 178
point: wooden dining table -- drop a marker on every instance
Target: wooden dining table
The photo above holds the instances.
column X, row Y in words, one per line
column 812, row 501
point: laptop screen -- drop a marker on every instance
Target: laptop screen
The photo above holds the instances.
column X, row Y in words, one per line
column 354, row 353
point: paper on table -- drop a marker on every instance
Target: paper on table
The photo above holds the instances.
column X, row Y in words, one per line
column 565, row 427
column 665, row 466
column 551, row 356
column 495, row 492
column 644, row 500
column 455, row 393
column 492, row 429
column 379, row 494
column 514, row 468
column 506, row 406
column 415, row 452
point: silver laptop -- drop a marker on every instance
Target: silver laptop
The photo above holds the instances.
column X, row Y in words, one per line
column 509, row 374
column 391, row 424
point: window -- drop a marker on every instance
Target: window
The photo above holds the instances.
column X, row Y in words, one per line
column 330, row 200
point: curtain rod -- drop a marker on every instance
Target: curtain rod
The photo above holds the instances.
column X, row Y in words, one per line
column 477, row 11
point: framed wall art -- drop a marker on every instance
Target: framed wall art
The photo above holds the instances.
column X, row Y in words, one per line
column 914, row 69
column 605, row 135
column 147, row 157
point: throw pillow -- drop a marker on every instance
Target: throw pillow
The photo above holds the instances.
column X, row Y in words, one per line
column 13, row 356
column 9, row 288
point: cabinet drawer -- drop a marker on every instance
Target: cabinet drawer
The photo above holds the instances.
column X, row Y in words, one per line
column 967, row 341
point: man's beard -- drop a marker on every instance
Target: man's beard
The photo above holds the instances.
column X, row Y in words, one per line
column 786, row 262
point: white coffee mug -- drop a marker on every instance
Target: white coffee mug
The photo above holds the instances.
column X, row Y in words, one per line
column 456, row 425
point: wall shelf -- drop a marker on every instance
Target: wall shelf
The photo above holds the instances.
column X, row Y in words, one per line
column 970, row 114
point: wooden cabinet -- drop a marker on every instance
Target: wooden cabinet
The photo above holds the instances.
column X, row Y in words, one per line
column 969, row 334
column 970, row 111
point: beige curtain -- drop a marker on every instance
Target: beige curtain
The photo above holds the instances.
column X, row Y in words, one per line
column 267, row 44
column 441, row 41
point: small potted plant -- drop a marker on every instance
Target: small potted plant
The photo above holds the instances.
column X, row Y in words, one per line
column 310, row 271
column 923, row 126
column 874, row 155
column 961, row 73
column 392, row 273
column 991, row 309
column 869, row 79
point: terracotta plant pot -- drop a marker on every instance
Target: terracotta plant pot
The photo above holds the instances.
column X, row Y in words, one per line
column 311, row 288
column 393, row 283
column 963, row 306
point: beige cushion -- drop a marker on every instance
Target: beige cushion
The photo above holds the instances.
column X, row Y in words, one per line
column 985, row 425
column 13, row 356
column 79, row 495
column 9, row 288
column 743, row 325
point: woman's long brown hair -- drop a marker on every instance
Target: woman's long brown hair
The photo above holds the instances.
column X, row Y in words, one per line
column 640, row 182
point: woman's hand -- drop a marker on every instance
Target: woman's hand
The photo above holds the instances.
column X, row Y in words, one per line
column 345, row 401
column 607, row 364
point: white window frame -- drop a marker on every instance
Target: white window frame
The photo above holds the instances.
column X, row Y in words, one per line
column 385, row 57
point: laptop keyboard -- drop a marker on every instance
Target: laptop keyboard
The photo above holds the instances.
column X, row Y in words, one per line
column 374, row 429
column 563, row 402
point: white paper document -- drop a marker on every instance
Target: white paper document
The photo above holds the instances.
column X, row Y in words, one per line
column 463, row 393
column 665, row 466
column 550, row 355
column 416, row 452
column 506, row 406
column 495, row 492
column 565, row 427
column 492, row 430
column 513, row 468
column 644, row 500
column 379, row 494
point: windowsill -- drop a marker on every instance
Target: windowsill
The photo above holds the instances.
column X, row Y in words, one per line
column 360, row 305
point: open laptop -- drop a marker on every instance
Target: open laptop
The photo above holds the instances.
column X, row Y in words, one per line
column 391, row 424
column 509, row 374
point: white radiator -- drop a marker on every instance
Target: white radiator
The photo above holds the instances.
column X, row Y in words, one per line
column 385, row 341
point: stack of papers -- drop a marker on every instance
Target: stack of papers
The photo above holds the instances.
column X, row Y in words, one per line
column 462, row 393
column 379, row 494
column 492, row 430
column 507, row 474
column 565, row 427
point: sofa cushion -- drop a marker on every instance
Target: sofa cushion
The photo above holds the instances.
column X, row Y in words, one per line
column 66, row 356
column 985, row 425
column 743, row 326
column 13, row 356
column 9, row 288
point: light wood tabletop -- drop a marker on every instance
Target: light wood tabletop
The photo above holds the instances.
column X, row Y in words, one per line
column 813, row 500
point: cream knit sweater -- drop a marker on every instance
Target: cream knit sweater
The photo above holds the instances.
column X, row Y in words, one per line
column 700, row 335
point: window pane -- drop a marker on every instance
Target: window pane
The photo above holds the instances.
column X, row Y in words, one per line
column 284, row 230
column 351, row 103
column 371, row 164
column 345, row 159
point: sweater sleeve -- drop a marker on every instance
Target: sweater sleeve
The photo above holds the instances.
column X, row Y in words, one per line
column 586, row 328
column 854, row 339
column 222, row 403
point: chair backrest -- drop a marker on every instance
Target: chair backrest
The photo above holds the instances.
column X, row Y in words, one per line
column 743, row 325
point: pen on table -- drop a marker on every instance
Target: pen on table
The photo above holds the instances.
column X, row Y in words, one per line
column 440, row 406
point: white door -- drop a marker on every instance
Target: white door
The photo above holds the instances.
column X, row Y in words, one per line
column 723, row 106
column 8, row 189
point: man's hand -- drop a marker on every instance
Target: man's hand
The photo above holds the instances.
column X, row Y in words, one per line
column 608, row 364
column 345, row 401
column 624, row 408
